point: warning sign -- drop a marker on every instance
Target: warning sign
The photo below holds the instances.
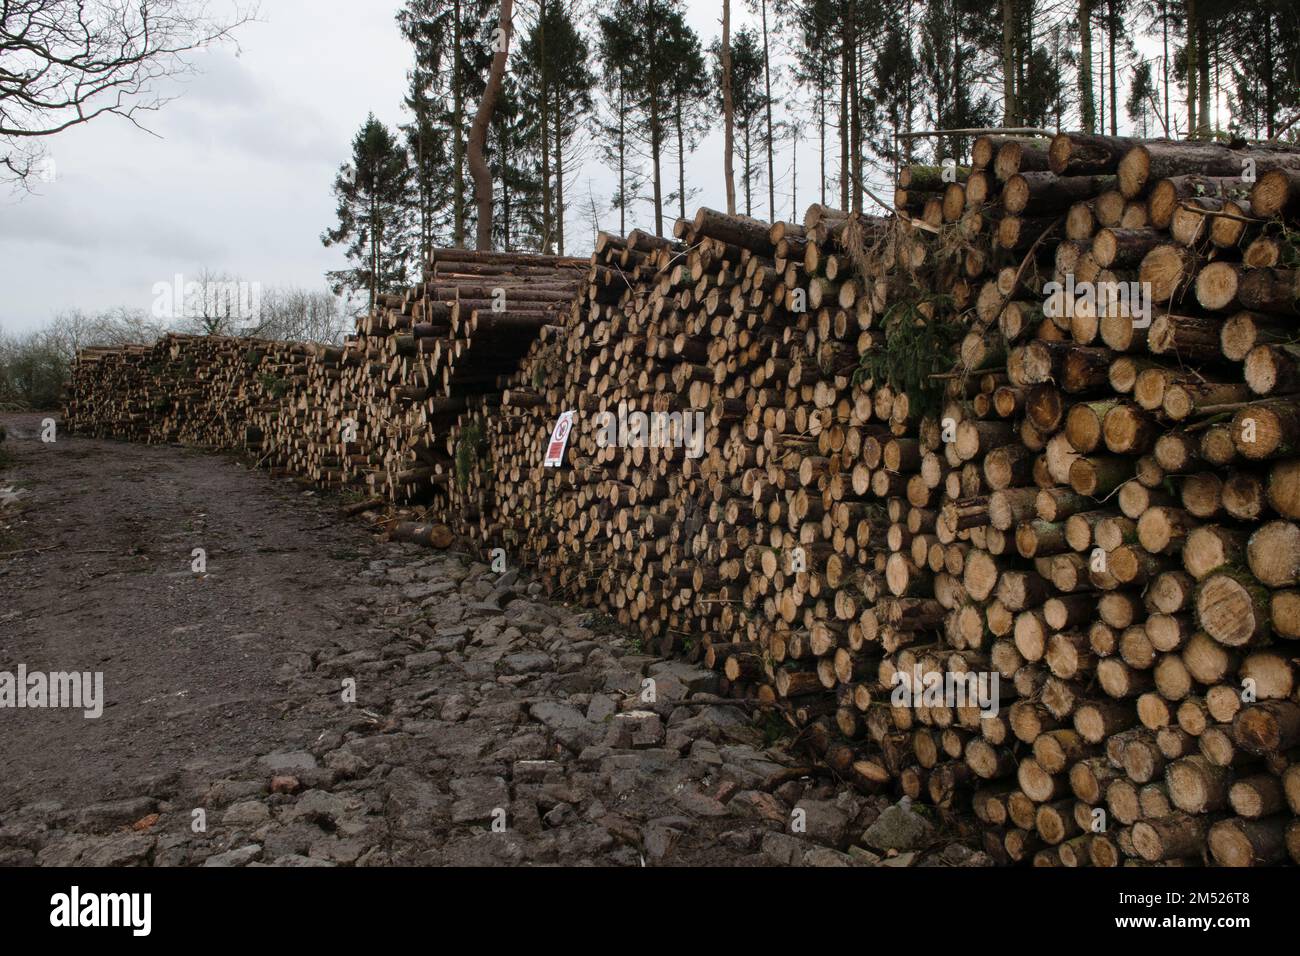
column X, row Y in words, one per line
column 559, row 440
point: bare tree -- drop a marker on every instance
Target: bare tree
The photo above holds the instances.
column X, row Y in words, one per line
column 67, row 62
column 294, row 314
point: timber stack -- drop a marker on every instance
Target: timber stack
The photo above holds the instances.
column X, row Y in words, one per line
column 1034, row 434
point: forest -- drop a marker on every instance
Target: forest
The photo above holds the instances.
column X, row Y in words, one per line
column 854, row 88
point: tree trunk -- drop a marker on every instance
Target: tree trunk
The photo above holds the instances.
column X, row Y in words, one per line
column 478, row 165
column 458, row 136
column 1203, row 76
column 767, row 87
column 1112, row 29
column 1009, row 109
column 559, row 177
column 821, row 136
column 681, row 156
column 728, row 109
column 855, row 111
column 545, row 100
column 1164, row 60
column 1191, row 65
column 844, row 125
column 1087, row 106
column 656, row 149
column 622, row 156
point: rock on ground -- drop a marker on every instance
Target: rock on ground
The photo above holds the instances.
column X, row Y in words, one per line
column 318, row 698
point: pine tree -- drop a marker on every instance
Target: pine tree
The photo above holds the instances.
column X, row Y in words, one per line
column 887, row 108
column 1141, row 92
column 449, row 41
column 373, row 218
column 619, row 61
column 517, row 218
column 426, row 142
column 557, row 85
column 749, row 101
column 1266, row 74
column 814, row 63
column 689, row 92
column 952, row 32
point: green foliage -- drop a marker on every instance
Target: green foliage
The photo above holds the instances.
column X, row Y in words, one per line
column 1289, row 242
column 775, row 728
column 32, row 372
column 916, row 348
column 278, row 387
column 555, row 85
column 468, row 450
column 373, row 215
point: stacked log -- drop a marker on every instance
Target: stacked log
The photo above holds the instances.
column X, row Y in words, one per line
column 929, row 455
column 366, row 416
column 1105, row 507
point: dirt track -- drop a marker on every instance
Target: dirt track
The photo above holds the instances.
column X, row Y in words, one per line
column 477, row 703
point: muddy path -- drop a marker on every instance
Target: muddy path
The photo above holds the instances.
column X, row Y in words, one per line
column 314, row 696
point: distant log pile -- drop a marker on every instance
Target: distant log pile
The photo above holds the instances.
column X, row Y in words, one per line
column 364, row 416
column 1042, row 424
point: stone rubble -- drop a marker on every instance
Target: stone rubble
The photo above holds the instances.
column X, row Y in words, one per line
column 489, row 728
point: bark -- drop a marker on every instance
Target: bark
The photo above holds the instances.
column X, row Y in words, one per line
column 728, row 110
column 478, row 164
column 1087, row 107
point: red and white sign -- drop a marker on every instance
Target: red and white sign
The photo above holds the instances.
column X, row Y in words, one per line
column 559, row 440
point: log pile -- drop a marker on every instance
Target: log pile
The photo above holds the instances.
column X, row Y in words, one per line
column 1099, row 509
column 1039, row 426
column 366, row 416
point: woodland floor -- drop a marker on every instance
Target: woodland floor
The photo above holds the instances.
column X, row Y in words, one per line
column 490, row 726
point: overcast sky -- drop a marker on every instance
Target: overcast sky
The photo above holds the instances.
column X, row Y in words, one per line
column 237, row 178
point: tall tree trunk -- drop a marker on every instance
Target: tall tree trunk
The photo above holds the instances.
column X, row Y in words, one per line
column 559, row 173
column 1087, row 105
column 767, row 87
column 458, row 135
column 478, row 165
column 1203, row 80
column 1112, row 29
column 845, row 175
column 794, row 173
column 1164, row 62
column 855, row 101
column 656, row 120
column 821, row 133
column 681, row 154
column 545, row 100
column 1009, row 107
column 728, row 110
column 906, row 151
column 1270, row 88
column 504, row 147
column 656, row 148
column 748, row 174
column 376, row 229
column 622, row 155
column 1191, row 65
column 1101, row 86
